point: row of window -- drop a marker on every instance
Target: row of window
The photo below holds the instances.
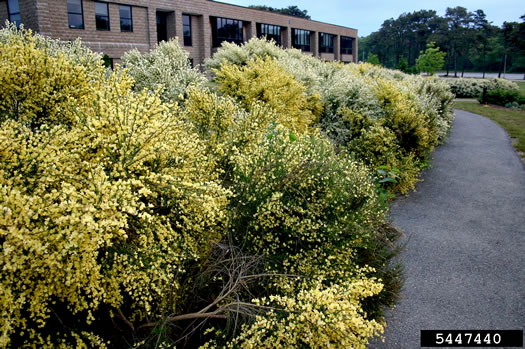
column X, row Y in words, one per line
column 223, row 29
column 231, row 30
column 75, row 14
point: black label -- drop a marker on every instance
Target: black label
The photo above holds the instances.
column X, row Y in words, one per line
column 472, row 338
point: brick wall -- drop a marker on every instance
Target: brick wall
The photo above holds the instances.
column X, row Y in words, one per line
column 53, row 21
column 29, row 14
column 3, row 12
column 114, row 43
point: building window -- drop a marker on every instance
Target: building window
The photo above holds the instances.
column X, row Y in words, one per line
column 271, row 32
column 186, row 28
column 13, row 9
column 126, row 19
column 301, row 39
column 346, row 45
column 102, row 15
column 192, row 64
column 75, row 14
column 326, row 43
column 225, row 29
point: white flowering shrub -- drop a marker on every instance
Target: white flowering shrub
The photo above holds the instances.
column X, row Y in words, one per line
column 472, row 88
column 166, row 67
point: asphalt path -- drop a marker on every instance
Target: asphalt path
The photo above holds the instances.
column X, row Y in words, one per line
column 464, row 259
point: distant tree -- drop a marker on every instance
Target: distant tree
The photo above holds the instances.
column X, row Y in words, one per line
column 373, row 58
column 483, row 31
column 459, row 35
column 290, row 10
column 468, row 38
column 403, row 64
column 431, row 60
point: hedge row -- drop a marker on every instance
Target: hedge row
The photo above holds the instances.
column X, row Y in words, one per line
column 473, row 88
column 150, row 209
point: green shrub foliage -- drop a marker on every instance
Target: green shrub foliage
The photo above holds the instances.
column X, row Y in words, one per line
column 500, row 97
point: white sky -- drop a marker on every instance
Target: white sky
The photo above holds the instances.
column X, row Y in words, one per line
column 368, row 15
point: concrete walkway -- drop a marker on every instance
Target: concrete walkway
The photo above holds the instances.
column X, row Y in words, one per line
column 465, row 226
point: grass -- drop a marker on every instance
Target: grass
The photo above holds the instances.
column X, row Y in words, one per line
column 513, row 121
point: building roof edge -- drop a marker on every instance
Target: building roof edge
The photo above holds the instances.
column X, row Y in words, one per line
column 280, row 14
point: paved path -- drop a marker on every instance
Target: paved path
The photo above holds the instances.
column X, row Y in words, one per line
column 465, row 257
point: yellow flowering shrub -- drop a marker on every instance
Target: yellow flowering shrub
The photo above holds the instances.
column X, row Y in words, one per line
column 378, row 147
column 104, row 213
column 317, row 318
column 39, row 88
column 295, row 193
column 264, row 80
column 224, row 126
column 405, row 119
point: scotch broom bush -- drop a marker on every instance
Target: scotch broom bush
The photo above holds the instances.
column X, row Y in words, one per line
column 295, row 193
column 101, row 214
column 142, row 206
column 472, row 88
column 265, row 81
column 40, row 88
column 166, row 67
column 355, row 97
column 323, row 316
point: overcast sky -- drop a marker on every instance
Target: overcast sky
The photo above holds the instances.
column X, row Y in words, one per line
column 368, row 15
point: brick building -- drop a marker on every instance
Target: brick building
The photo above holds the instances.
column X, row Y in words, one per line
column 114, row 27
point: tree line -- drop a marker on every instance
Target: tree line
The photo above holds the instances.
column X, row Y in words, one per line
column 290, row 10
column 469, row 40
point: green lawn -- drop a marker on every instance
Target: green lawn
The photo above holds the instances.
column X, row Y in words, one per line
column 511, row 120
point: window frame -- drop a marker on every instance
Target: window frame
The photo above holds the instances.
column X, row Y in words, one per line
column 346, row 50
column 303, row 45
column 12, row 14
column 238, row 29
column 126, row 18
column 324, row 42
column 98, row 16
column 188, row 40
column 261, row 27
column 76, row 14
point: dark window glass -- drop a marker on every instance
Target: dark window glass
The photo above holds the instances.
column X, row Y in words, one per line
column 326, row 43
column 162, row 26
column 301, row 39
column 346, row 45
column 102, row 15
column 126, row 20
column 186, row 27
column 191, row 62
column 13, row 10
column 225, row 29
column 271, row 32
column 75, row 14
